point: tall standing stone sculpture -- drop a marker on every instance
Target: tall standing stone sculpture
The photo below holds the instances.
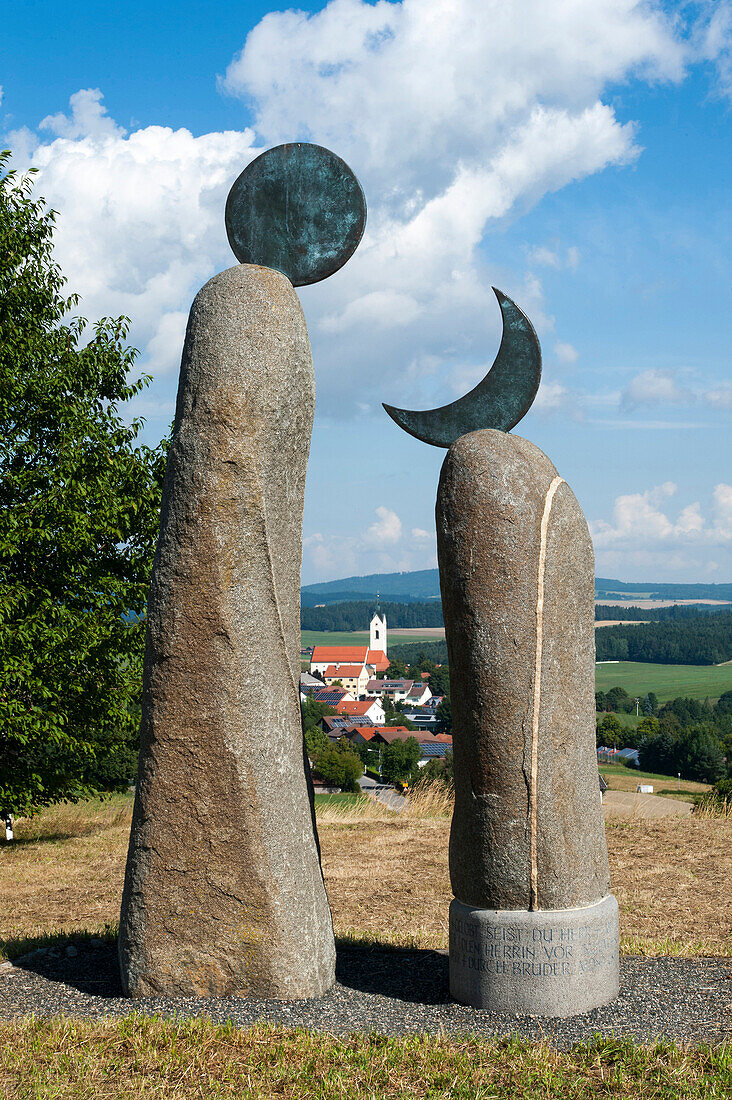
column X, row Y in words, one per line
column 224, row 893
column 533, row 926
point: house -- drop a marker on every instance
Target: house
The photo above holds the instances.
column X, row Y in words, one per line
column 397, row 691
column 337, row 725
column 364, row 708
column 423, row 737
column 354, row 678
column 332, row 696
column 419, row 694
column 428, row 721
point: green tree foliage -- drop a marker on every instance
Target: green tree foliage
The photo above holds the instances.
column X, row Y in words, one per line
column 700, row 756
column 351, row 615
column 669, row 747
column 397, row 670
column 399, row 761
column 436, row 771
column 440, row 681
column 312, row 713
column 79, row 512
column 394, row 714
column 443, row 714
column 412, row 652
column 700, row 639
column 610, row 732
column 657, row 614
column 338, row 766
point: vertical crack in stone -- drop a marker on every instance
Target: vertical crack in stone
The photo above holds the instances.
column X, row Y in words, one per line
column 533, row 814
column 273, row 579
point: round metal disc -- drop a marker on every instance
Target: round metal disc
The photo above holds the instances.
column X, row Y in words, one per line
column 297, row 208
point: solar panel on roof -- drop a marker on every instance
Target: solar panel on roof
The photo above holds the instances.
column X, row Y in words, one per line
column 430, row 751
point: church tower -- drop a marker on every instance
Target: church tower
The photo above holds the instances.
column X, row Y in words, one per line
column 377, row 630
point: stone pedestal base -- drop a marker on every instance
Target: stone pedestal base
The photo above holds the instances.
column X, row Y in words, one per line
column 544, row 963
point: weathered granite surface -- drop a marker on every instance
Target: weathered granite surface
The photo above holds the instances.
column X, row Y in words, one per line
column 491, row 501
column 223, row 893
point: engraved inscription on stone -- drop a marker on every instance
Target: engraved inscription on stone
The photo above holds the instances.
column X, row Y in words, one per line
column 534, row 952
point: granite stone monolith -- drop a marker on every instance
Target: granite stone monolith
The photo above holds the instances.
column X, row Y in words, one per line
column 224, row 893
column 533, row 927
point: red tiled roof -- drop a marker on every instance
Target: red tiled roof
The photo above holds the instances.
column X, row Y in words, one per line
column 367, row 732
column 362, row 707
column 340, row 654
column 378, row 659
column 343, row 670
column 401, row 733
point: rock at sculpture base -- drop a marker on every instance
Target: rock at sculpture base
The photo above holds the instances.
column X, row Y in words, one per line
column 528, row 856
column 546, row 962
column 224, row 893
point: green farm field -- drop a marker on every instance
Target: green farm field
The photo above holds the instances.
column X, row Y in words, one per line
column 668, row 681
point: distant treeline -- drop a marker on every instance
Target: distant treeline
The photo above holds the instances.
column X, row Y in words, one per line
column 356, row 615
column 412, row 652
column 653, row 590
column 657, row 614
column 701, row 639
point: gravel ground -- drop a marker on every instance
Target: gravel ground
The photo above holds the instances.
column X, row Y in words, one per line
column 392, row 992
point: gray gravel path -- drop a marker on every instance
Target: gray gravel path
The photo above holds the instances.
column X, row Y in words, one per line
column 393, row 992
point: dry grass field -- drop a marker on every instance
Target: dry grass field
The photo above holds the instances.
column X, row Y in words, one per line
column 386, row 876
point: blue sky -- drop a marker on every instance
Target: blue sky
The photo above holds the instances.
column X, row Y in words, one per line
column 576, row 154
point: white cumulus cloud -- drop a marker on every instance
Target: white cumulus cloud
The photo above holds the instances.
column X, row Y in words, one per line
column 642, row 520
column 386, row 530
column 655, row 387
column 453, row 116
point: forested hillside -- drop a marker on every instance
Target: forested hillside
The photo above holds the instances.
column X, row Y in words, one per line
column 606, row 587
column 353, row 614
column 657, row 614
column 701, row 639
column 356, row 616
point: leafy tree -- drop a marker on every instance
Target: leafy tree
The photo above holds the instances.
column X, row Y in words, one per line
column 659, row 751
column 700, row 756
column 315, row 741
column 443, row 714
column 394, row 714
column 647, row 727
column 397, row 670
column 724, row 704
column 312, row 712
column 617, row 699
column 650, row 704
column 79, row 513
column 440, row 681
column 339, row 766
column 610, row 731
column 399, row 761
column 436, row 771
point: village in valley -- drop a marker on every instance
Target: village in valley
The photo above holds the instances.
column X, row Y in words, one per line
column 351, row 696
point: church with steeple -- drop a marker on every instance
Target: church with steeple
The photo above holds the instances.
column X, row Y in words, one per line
column 351, row 661
column 377, row 630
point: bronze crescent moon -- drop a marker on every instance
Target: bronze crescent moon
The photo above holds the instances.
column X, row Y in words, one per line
column 499, row 400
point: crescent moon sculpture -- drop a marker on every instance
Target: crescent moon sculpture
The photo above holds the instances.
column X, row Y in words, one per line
column 499, row 400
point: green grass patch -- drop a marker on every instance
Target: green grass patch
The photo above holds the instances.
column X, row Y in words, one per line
column 342, row 799
column 668, row 681
column 163, row 1059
